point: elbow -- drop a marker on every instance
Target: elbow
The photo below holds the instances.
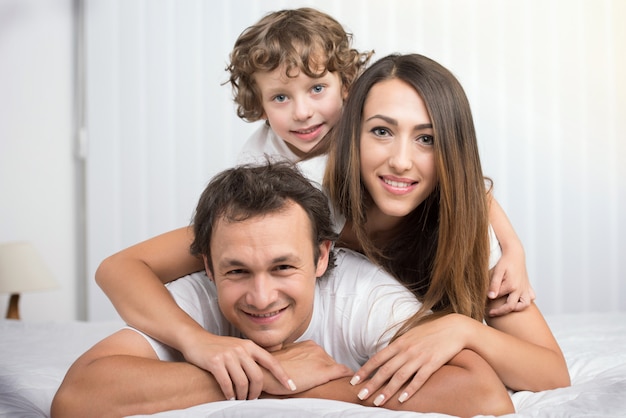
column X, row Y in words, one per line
column 110, row 271
column 66, row 403
column 560, row 379
column 101, row 271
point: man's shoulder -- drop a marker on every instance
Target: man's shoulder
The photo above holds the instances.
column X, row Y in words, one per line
column 354, row 269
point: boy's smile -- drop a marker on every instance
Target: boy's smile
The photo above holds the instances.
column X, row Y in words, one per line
column 300, row 109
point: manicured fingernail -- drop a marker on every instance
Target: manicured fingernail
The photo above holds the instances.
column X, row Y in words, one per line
column 355, row 380
column 292, row 385
column 403, row 397
column 363, row 394
column 232, row 399
column 492, row 295
column 379, row 399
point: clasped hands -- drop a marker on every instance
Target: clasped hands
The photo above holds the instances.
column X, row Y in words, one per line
column 244, row 370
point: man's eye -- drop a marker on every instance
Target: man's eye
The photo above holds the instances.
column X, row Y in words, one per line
column 284, row 267
column 235, row 272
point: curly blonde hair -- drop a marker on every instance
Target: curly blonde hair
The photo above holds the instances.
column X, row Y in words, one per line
column 300, row 40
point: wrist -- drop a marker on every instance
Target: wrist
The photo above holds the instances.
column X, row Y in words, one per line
column 190, row 335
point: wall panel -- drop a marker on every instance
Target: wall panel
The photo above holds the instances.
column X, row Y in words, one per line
column 545, row 79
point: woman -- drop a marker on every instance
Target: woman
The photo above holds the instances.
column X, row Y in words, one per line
column 404, row 170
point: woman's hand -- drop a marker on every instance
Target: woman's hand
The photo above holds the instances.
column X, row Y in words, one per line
column 412, row 358
column 236, row 364
column 509, row 278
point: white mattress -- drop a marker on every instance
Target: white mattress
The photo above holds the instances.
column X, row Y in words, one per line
column 35, row 356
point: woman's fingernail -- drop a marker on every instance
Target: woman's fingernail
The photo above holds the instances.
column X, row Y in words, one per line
column 379, row 399
column 363, row 394
column 403, row 397
column 355, row 380
column 292, row 385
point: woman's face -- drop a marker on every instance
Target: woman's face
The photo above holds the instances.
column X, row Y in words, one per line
column 397, row 153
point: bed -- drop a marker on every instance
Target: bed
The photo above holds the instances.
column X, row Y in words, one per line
column 34, row 357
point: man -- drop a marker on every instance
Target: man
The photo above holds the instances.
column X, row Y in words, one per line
column 266, row 239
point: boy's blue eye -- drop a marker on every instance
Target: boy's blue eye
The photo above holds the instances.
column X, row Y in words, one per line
column 318, row 88
column 280, row 98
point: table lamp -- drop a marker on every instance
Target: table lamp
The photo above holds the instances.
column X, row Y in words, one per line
column 21, row 270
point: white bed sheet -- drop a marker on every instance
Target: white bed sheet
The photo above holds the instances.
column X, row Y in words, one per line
column 35, row 356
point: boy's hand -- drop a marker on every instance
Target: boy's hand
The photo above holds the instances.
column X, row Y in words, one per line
column 509, row 278
column 308, row 365
column 238, row 365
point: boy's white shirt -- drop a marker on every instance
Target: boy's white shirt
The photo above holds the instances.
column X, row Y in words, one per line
column 357, row 309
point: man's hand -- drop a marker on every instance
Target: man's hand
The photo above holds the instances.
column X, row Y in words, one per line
column 238, row 365
column 308, row 365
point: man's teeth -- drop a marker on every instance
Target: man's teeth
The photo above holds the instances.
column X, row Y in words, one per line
column 266, row 315
column 396, row 183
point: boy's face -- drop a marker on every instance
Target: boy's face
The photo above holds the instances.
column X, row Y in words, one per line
column 265, row 275
column 301, row 110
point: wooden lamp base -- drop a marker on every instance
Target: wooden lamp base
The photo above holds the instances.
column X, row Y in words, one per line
column 13, row 312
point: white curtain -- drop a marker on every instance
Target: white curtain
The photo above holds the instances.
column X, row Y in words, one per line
column 545, row 78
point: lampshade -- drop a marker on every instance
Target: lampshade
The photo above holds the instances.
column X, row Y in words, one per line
column 22, row 269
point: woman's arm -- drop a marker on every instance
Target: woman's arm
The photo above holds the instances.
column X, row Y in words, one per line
column 509, row 276
column 133, row 279
column 465, row 386
column 522, row 350
column 520, row 347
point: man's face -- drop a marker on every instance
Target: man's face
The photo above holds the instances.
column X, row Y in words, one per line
column 265, row 274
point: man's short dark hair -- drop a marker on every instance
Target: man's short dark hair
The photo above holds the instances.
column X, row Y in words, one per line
column 246, row 191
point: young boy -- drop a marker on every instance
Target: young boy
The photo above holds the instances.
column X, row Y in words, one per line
column 265, row 237
column 292, row 69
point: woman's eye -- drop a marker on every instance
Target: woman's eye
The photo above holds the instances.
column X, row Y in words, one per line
column 378, row 131
column 426, row 139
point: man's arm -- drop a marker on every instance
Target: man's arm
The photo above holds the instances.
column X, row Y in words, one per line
column 121, row 375
column 466, row 386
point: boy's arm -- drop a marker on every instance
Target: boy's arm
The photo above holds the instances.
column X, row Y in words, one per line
column 466, row 386
column 136, row 275
column 509, row 276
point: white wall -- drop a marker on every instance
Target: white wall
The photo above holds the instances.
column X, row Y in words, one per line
column 545, row 78
column 37, row 198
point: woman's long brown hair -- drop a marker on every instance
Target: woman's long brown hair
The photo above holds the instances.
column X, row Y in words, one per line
column 441, row 250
